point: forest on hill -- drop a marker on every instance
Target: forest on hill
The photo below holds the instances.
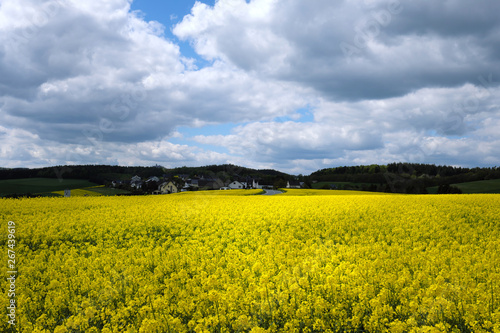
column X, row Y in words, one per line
column 100, row 174
column 393, row 177
column 406, row 177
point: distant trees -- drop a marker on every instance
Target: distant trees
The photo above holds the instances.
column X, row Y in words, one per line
column 280, row 183
column 448, row 189
column 405, row 177
column 96, row 173
column 393, row 177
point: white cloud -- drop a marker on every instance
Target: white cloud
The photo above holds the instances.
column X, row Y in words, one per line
column 410, row 128
column 90, row 62
column 302, row 42
column 290, row 140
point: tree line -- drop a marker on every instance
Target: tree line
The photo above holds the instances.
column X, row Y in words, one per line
column 407, row 177
column 394, row 177
column 101, row 174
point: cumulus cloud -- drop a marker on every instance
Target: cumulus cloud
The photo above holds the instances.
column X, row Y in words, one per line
column 81, row 65
column 351, row 50
column 427, row 126
column 77, row 73
column 290, row 140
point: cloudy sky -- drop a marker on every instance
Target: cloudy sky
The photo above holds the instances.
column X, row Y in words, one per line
column 293, row 85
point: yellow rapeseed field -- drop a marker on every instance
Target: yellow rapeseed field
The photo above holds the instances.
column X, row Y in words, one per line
column 197, row 262
column 79, row 192
column 307, row 192
column 82, row 192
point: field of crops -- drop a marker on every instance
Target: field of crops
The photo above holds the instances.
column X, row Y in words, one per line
column 82, row 192
column 309, row 192
column 195, row 262
column 40, row 185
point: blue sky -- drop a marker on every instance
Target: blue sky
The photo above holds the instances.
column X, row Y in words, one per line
column 168, row 13
column 165, row 12
column 285, row 84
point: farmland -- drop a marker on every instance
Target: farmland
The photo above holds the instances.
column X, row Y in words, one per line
column 40, row 185
column 482, row 186
column 312, row 192
column 231, row 262
column 54, row 187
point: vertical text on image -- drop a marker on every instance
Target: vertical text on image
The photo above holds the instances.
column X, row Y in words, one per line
column 11, row 272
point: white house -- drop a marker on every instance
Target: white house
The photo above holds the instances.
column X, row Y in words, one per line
column 167, row 188
column 293, row 184
column 236, row 185
column 255, row 184
column 153, row 179
column 192, row 183
column 136, row 182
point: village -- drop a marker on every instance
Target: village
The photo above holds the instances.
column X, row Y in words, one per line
column 168, row 184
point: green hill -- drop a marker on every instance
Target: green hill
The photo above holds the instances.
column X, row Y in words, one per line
column 394, row 177
column 481, row 186
column 40, row 185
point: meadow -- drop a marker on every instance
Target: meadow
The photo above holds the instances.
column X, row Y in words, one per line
column 226, row 261
column 40, row 185
column 481, row 186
